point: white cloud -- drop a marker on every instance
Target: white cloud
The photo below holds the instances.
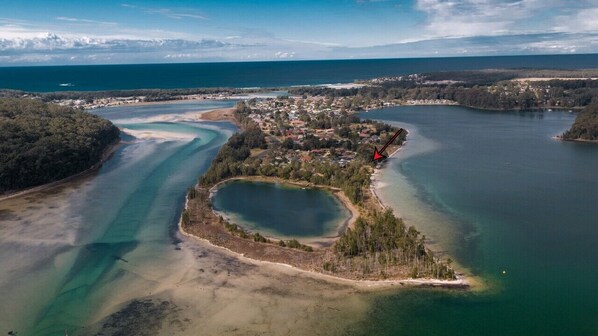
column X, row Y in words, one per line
column 283, row 54
column 86, row 21
column 479, row 17
column 63, row 49
column 581, row 20
column 167, row 12
column 52, row 42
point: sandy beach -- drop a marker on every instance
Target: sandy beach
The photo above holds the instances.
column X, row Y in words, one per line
column 158, row 135
column 543, row 79
column 298, row 263
column 460, row 283
column 375, row 180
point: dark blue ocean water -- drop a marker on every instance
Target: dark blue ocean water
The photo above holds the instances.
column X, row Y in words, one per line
column 258, row 74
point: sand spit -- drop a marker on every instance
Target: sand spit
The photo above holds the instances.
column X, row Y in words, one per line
column 205, row 290
column 460, row 283
column 158, row 135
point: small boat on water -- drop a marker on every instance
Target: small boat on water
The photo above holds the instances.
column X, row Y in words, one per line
column 66, row 84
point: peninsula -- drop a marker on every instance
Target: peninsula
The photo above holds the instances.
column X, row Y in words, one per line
column 280, row 141
column 585, row 127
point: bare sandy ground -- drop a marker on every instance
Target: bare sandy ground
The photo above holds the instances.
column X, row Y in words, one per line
column 192, row 288
column 218, row 114
column 158, row 135
column 543, row 79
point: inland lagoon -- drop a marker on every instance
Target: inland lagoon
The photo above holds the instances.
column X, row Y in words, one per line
column 281, row 211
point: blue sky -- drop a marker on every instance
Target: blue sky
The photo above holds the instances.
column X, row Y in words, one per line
column 109, row 31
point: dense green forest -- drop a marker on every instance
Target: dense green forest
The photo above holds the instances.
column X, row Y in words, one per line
column 384, row 240
column 41, row 143
column 585, row 126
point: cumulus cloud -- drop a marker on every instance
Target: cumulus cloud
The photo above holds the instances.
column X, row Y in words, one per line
column 447, row 28
column 54, row 48
column 478, row 17
column 284, row 54
column 582, row 20
column 53, row 42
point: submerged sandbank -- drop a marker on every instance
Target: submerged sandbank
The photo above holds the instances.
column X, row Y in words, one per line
column 358, row 284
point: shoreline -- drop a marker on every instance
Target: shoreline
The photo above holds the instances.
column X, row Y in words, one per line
column 209, row 228
column 219, row 114
column 375, row 181
column 578, row 140
column 108, row 152
column 461, row 283
column 294, row 259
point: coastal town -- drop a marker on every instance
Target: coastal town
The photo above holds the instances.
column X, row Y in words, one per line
column 311, row 128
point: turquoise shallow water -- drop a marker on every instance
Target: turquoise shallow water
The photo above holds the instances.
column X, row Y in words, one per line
column 132, row 204
column 281, row 211
column 491, row 189
column 504, row 196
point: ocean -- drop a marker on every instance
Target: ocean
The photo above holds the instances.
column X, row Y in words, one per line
column 258, row 74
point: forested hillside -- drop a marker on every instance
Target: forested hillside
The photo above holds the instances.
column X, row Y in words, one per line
column 42, row 143
column 585, row 126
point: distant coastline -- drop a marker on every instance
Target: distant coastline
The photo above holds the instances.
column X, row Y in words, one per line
column 254, row 74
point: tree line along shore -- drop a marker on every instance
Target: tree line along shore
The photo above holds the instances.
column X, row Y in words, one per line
column 484, row 89
column 42, row 143
column 377, row 246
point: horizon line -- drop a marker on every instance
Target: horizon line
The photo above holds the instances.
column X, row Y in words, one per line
column 297, row 60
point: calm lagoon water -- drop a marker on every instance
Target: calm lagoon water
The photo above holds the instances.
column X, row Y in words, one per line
column 494, row 190
column 281, row 211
